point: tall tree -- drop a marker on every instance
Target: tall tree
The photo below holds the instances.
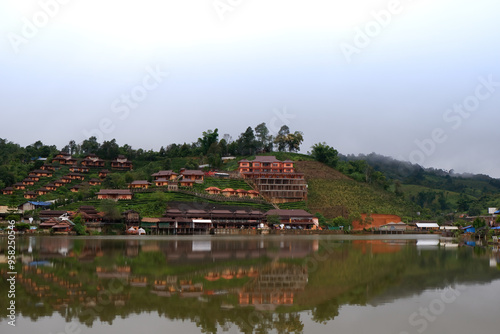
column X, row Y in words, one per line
column 323, row 153
column 247, row 143
column 209, row 137
column 281, row 139
column 264, row 139
column 90, row 145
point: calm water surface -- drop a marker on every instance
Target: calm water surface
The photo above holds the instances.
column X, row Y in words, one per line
column 263, row 284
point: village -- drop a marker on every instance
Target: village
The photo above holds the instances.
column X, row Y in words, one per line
column 263, row 180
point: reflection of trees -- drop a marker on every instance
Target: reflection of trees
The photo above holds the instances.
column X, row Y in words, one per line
column 326, row 311
column 288, row 323
column 343, row 276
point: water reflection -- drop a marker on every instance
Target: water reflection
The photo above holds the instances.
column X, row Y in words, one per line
column 250, row 284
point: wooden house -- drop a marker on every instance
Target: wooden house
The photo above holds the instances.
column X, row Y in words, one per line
column 42, row 191
column 103, row 173
column 29, row 195
column 92, row 160
column 213, row 190
column 164, row 174
column 121, row 163
column 8, row 191
column 186, row 183
column 40, row 173
column 51, row 186
column 114, row 194
column 64, row 158
column 59, row 183
column 139, row 184
column 28, row 181
column 76, row 176
column 193, row 175
column 161, row 182
column 19, row 186
column 95, row 182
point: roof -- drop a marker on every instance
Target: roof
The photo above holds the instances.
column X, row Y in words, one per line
column 164, row 173
column 114, row 192
column 192, row 172
column 40, row 203
column 228, row 190
column 265, row 158
column 289, row 213
column 140, row 182
column 428, row 225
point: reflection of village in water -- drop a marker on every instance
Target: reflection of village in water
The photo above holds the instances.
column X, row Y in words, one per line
column 79, row 277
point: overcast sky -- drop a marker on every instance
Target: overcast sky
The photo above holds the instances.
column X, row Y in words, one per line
column 416, row 80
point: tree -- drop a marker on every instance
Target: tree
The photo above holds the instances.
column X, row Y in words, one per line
column 209, row 137
column 282, row 138
column 294, row 140
column 79, row 225
column 323, row 153
column 321, row 219
column 90, row 145
column 273, row 220
column 264, row 139
column 108, row 150
column 398, row 189
column 247, row 143
column 111, row 211
column 478, row 223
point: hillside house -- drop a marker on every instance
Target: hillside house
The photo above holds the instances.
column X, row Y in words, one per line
column 19, row 186
column 64, row 158
column 51, row 186
column 59, row 183
column 114, row 194
column 213, row 190
column 79, row 169
column 139, row 184
column 121, row 163
column 30, row 195
column 48, row 167
column 228, row 192
column 161, row 182
column 95, row 182
column 275, row 180
column 76, row 176
column 103, row 173
column 186, row 183
column 92, row 160
column 40, row 173
column 42, row 191
column 29, row 181
column 8, row 191
column 193, row 175
column 165, row 174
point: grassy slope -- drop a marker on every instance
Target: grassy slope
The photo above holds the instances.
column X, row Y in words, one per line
column 332, row 193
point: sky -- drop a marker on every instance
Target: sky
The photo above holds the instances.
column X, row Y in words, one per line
column 418, row 80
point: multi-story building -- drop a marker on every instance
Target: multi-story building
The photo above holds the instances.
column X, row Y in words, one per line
column 275, row 180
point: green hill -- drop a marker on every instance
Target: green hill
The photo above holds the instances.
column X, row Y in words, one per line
column 333, row 194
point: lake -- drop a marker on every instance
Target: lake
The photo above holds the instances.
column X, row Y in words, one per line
column 258, row 284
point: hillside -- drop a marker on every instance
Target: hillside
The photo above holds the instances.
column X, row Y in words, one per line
column 333, row 194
